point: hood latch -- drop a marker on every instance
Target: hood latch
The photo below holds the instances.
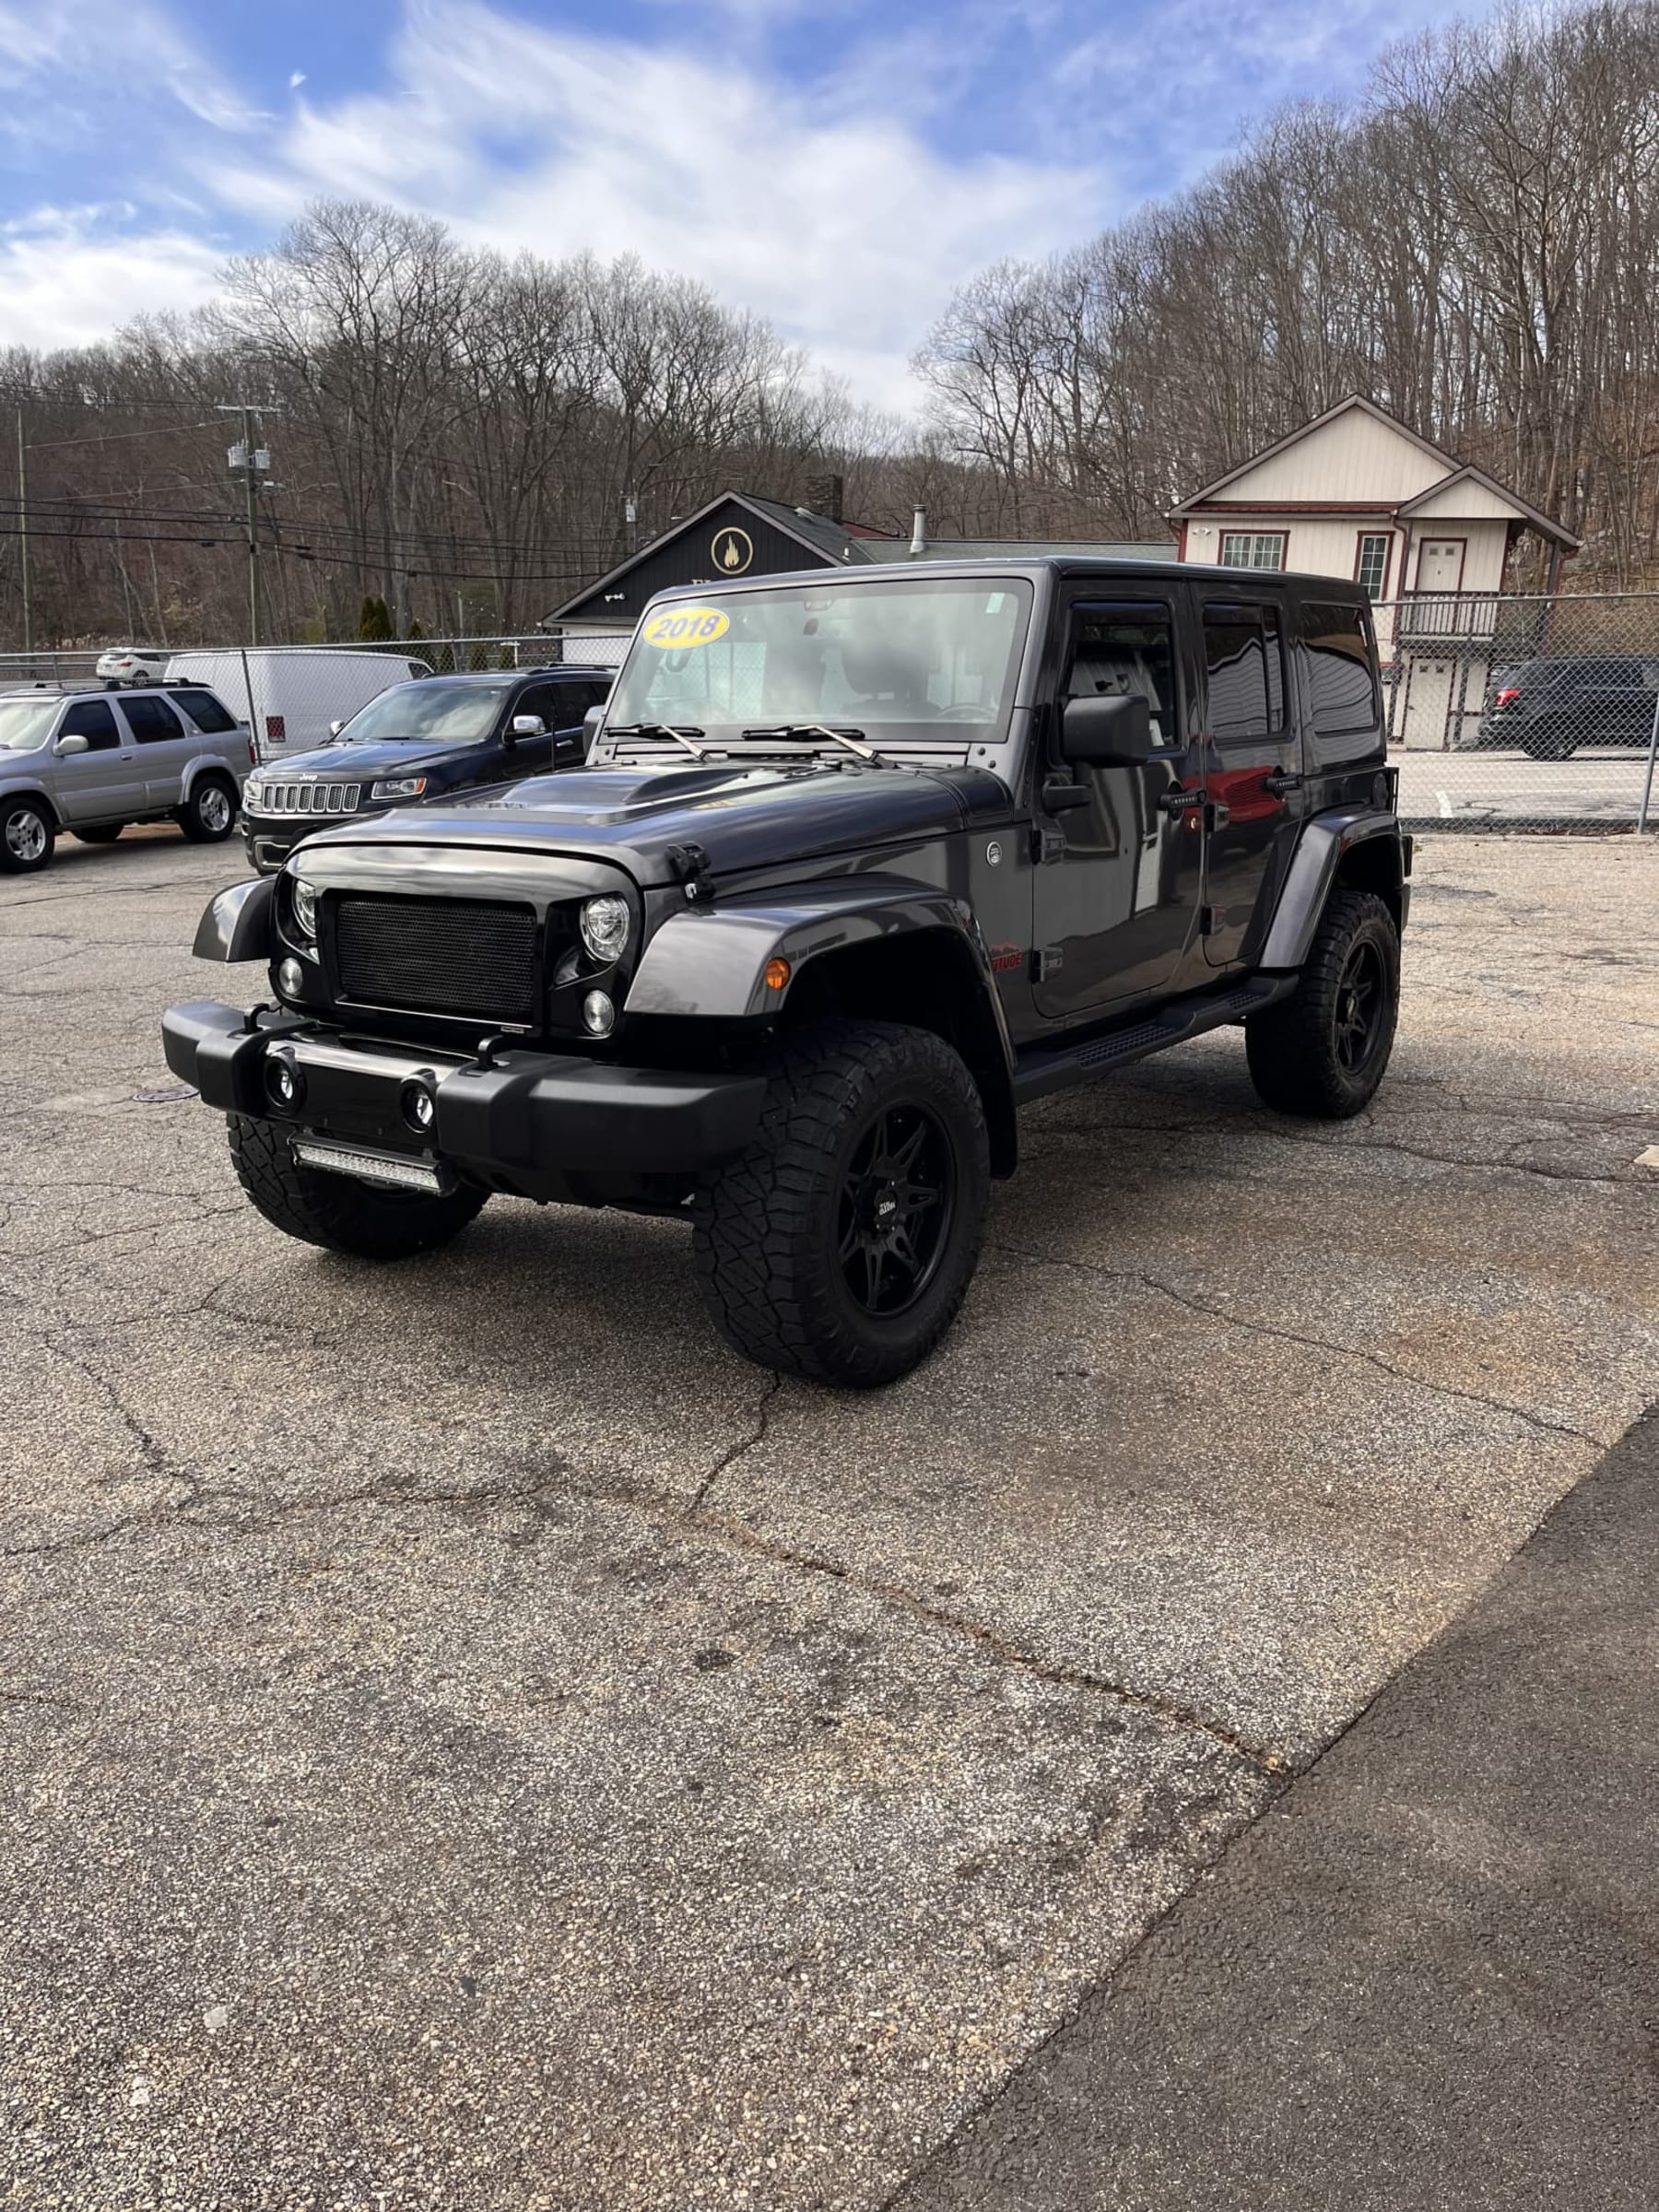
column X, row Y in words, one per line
column 689, row 865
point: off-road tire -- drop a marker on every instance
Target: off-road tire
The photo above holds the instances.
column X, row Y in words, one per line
column 20, row 853
column 1293, row 1048
column 190, row 817
column 334, row 1211
column 765, row 1225
column 98, row 833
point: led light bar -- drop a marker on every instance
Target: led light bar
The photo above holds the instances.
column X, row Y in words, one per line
column 383, row 1168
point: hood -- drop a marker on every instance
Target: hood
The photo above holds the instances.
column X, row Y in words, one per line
column 358, row 763
column 743, row 817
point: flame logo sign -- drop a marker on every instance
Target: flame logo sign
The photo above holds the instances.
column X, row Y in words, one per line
column 733, row 550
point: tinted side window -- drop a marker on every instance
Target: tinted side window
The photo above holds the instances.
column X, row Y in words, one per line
column 1127, row 650
column 1342, row 690
column 152, row 721
column 90, row 719
column 206, row 711
column 1244, row 653
column 545, row 699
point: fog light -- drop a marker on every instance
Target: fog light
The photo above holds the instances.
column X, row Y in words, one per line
column 419, row 1107
column 285, row 1086
column 290, row 979
column 599, row 1013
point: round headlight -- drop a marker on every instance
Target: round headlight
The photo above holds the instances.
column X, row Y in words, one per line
column 604, row 926
column 305, row 905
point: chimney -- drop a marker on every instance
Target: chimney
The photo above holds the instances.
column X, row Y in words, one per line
column 918, row 531
column 825, row 496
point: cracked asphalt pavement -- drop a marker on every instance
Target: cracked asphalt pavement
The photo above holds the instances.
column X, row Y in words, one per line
column 467, row 1739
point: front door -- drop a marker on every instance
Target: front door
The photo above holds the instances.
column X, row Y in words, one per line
column 1249, row 762
column 1440, row 565
column 1116, row 896
column 105, row 783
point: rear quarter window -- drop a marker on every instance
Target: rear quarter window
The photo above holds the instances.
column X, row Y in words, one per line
column 208, row 714
column 1339, row 683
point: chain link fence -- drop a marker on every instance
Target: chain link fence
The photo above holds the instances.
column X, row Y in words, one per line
column 294, row 696
column 1521, row 715
column 1505, row 713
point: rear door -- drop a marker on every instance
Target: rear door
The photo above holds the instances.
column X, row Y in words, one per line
column 1116, row 894
column 1251, row 758
column 105, row 783
column 165, row 746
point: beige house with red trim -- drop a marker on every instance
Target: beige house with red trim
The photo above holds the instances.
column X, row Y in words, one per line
column 1356, row 494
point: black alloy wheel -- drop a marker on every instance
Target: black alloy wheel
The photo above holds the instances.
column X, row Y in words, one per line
column 897, row 1201
column 1361, row 1002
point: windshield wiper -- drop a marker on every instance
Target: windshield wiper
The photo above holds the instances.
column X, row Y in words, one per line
column 659, row 729
column 855, row 739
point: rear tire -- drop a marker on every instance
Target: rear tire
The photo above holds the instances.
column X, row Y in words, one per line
column 334, row 1211
column 208, row 815
column 839, row 1246
column 102, row 833
column 1322, row 1051
column 1549, row 744
column 28, row 835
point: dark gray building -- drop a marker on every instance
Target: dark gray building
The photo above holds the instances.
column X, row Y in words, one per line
column 740, row 533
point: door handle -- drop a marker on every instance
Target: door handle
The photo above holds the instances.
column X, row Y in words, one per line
column 1280, row 784
column 1177, row 801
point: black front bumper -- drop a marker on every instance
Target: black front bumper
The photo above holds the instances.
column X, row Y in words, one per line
column 528, row 1122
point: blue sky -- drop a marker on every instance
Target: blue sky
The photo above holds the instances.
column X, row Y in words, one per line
column 837, row 165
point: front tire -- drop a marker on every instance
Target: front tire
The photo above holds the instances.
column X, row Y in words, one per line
column 28, row 835
column 208, row 815
column 334, row 1211
column 1322, row 1051
column 839, row 1246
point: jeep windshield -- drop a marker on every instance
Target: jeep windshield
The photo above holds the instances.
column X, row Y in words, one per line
column 24, row 723
column 428, row 712
column 932, row 660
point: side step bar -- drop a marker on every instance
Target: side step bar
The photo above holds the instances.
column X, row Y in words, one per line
column 1041, row 1071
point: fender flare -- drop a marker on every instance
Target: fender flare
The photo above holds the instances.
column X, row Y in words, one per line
column 710, row 963
column 201, row 764
column 237, row 923
column 1324, row 842
column 39, row 794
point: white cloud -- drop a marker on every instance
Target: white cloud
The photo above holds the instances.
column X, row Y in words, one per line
column 68, row 278
column 296, row 80
column 831, row 218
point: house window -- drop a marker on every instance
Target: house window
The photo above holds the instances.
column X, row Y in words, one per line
column 1252, row 548
column 1372, row 568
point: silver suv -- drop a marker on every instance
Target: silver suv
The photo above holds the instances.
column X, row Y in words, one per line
column 90, row 762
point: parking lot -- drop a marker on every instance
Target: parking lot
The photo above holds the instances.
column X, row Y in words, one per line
column 1497, row 787
column 468, row 1739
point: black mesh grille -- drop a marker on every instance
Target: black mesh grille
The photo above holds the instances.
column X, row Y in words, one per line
column 438, row 955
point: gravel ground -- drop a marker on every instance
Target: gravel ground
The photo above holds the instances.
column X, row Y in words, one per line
column 467, row 1739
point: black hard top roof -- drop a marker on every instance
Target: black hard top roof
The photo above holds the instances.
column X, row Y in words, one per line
column 1032, row 565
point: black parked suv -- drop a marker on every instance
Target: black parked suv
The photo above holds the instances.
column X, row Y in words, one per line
column 426, row 739
column 1549, row 708
column 857, row 865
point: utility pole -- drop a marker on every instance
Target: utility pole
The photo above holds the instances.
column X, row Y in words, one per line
column 23, row 531
column 252, row 461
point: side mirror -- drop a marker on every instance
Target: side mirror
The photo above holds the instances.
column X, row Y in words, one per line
column 526, row 725
column 1107, row 731
column 593, row 722
column 335, row 728
column 72, row 743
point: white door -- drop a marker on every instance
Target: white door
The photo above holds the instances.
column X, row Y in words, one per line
column 1440, row 565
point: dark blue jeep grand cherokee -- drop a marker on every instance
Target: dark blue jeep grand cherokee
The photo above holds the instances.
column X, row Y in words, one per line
column 440, row 736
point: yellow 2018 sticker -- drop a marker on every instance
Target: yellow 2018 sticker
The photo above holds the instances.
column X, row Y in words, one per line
column 682, row 626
